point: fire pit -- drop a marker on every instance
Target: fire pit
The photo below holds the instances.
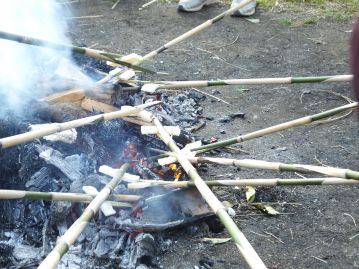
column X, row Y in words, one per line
column 148, row 194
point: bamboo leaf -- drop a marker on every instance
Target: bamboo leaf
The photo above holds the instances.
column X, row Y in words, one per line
column 266, row 209
column 216, row 241
column 250, row 194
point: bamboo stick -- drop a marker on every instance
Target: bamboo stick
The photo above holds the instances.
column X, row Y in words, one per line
column 152, row 86
column 277, row 128
column 59, row 127
column 97, row 54
column 59, row 196
column 71, row 235
column 258, row 182
column 280, row 167
column 243, row 245
column 182, row 37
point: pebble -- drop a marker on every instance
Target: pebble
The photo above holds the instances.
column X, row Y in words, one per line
column 209, row 118
column 215, row 92
column 237, row 115
column 225, row 119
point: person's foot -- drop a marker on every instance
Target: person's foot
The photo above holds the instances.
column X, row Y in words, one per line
column 193, row 5
column 247, row 10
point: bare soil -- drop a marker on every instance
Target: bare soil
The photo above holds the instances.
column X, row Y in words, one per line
column 316, row 223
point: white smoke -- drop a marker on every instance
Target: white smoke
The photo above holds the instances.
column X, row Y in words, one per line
column 22, row 65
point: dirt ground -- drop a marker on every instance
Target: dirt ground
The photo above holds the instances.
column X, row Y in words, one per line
column 316, row 223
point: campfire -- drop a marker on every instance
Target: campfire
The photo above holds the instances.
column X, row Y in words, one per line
column 110, row 163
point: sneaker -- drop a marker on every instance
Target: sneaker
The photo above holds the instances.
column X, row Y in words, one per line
column 193, row 5
column 247, row 10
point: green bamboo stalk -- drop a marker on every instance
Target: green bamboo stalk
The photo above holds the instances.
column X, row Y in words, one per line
column 152, row 86
column 182, row 37
column 258, row 182
column 59, row 127
column 97, row 54
column 71, row 235
column 277, row 128
column 59, row 196
column 280, row 167
column 243, row 245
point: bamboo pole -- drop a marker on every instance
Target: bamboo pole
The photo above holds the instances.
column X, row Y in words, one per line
column 71, row 235
column 152, row 86
column 59, row 127
column 182, row 37
column 97, row 54
column 243, row 245
column 59, row 196
column 280, row 167
column 258, row 182
column 277, row 128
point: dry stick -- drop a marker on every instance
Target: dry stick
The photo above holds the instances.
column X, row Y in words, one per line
column 59, row 127
column 253, row 81
column 243, row 245
column 280, row 167
column 247, row 182
column 277, row 128
column 115, row 4
column 182, row 37
column 149, row 3
column 59, row 196
column 71, row 235
column 97, row 54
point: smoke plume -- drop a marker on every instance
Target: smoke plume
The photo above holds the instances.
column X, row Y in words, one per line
column 22, row 66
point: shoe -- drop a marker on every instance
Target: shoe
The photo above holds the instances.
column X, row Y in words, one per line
column 193, row 5
column 247, row 10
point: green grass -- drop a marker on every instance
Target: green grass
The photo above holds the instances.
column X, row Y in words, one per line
column 339, row 10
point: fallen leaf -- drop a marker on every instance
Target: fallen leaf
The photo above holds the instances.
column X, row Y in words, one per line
column 266, row 208
column 250, row 194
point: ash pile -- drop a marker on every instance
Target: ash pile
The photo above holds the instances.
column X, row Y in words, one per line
column 129, row 232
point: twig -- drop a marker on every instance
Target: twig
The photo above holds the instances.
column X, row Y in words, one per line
column 149, row 3
column 347, row 214
column 354, row 236
column 223, row 60
column 210, row 95
column 115, row 4
column 274, row 237
column 225, row 45
column 266, row 236
column 319, row 259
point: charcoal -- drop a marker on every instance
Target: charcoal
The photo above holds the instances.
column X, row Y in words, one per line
column 140, row 250
column 39, row 180
column 70, row 165
column 120, row 245
column 102, row 249
column 23, row 252
column 72, row 260
column 197, row 96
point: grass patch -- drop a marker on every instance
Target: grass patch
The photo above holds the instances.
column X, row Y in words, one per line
column 339, row 10
column 285, row 21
